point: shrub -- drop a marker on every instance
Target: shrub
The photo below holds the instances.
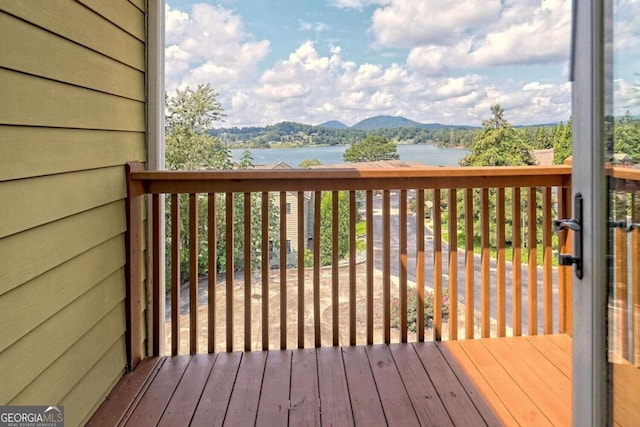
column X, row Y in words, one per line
column 412, row 309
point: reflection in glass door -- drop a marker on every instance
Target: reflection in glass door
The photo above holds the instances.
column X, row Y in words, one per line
column 622, row 156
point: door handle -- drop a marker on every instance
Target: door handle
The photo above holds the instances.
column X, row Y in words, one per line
column 574, row 224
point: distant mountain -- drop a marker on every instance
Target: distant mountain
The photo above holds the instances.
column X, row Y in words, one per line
column 390, row 122
column 333, row 124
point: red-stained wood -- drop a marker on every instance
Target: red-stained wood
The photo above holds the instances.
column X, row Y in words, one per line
column 352, row 267
column 283, row 270
column 243, row 404
column 547, row 262
column 186, row 396
column 485, row 273
column 305, row 400
column 365, row 402
column 532, row 232
column 369, row 267
column 193, row 273
column 158, row 294
column 635, row 277
column 421, row 392
column 316, row 269
column 516, row 262
column 453, row 264
column 229, row 208
column 212, row 272
column 301, row 273
column 247, row 271
column 335, row 274
column 133, row 267
column 437, row 266
column 216, row 395
column 386, row 264
column 265, row 270
column 564, row 273
column 175, row 274
column 403, row 267
column 273, row 409
column 397, row 406
column 469, row 266
column 460, row 407
column 420, row 263
column 332, row 386
column 501, row 264
column 156, row 397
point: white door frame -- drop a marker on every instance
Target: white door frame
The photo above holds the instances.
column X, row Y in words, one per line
column 588, row 177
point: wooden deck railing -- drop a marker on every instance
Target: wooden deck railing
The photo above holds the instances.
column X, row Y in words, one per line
column 507, row 211
column 624, row 297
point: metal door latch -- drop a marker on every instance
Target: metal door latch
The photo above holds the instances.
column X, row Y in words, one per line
column 574, row 224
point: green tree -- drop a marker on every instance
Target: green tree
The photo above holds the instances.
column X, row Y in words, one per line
column 371, row 149
column 562, row 143
column 326, row 226
column 626, row 136
column 498, row 144
column 306, row 164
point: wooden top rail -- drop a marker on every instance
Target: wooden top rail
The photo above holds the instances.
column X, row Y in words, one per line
column 157, row 182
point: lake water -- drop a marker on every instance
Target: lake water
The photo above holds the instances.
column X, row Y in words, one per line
column 428, row 155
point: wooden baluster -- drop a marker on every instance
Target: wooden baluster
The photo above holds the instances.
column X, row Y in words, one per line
column 175, row 274
column 317, row 198
column 193, row 273
column 485, row 272
column 437, row 266
column 229, row 241
column 335, row 274
column 266, row 255
column 564, row 273
column 301, row 248
column 386, row 265
column 516, row 265
column 469, row 267
column 212, row 276
column 453, row 264
column 247, row 271
column 352, row 267
column 283, row 270
column 158, row 290
column 547, row 262
column 420, row 261
column 501, row 264
column 621, row 299
column 402, row 243
column 370, row 267
column 532, row 232
column 635, row 276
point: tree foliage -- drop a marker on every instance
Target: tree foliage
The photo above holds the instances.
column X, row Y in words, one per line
column 327, row 224
column 371, row 149
column 626, row 136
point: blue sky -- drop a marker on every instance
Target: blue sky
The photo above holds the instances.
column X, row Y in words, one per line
column 311, row 61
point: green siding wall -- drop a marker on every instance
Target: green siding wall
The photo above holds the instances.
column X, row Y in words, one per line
column 72, row 79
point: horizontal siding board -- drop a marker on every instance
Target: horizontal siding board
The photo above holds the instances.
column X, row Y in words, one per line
column 27, row 306
column 41, row 53
column 95, row 32
column 38, row 201
column 28, row 358
column 93, row 387
column 27, row 152
column 140, row 4
column 121, row 13
column 36, row 101
column 27, row 255
column 53, row 384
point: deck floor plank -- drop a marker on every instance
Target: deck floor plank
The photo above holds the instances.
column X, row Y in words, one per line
column 305, row 401
column 243, row 406
column 396, row 403
column 365, row 402
column 273, row 409
column 453, row 396
column 496, row 381
column 540, row 393
column 332, row 385
column 507, row 390
column 423, row 395
column 187, row 395
column 214, row 400
column 156, row 398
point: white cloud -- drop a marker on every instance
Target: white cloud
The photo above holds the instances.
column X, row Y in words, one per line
column 357, row 4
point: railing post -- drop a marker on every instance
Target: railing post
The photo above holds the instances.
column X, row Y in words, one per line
column 133, row 268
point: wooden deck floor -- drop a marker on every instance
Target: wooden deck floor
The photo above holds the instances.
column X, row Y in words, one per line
column 510, row 381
